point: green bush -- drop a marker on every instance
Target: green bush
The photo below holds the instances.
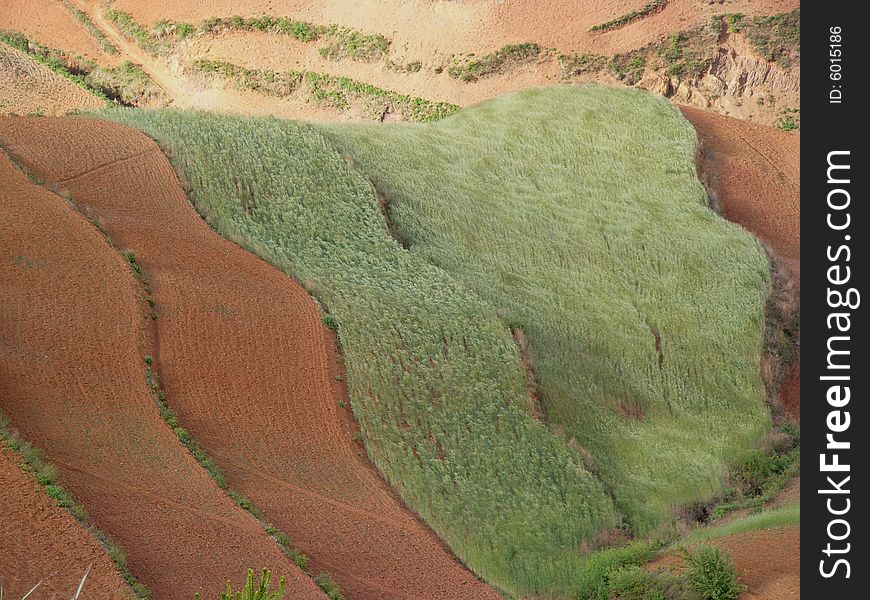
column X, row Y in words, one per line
column 329, row 587
column 254, row 590
column 711, row 574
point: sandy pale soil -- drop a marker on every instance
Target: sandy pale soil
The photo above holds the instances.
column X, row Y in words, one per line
column 72, row 380
column 31, row 87
column 50, row 23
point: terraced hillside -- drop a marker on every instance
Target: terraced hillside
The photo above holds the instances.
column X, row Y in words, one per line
column 75, row 337
column 247, row 363
column 647, row 393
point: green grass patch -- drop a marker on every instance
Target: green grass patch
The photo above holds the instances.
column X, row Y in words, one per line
column 776, row 37
column 325, row 582
column 572, row 65
column 47, row 475
column 301, row 30
column 343, row 92
column 472, row 69
column 523, row 212
column 355, row 45
column 787, row 516
column 95, row 31
column 137, row 32
column 272, row 83
column 649, row 8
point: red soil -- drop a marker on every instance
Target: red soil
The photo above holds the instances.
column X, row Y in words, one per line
column 71, row 379
column 768, row 562
column 755, row 172
column 41, row 541
column 247, row 363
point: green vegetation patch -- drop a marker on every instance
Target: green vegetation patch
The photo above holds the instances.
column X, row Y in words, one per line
column 649, row 8
column 137, row 32
column 349, row 43
column 642, row 309
column 301, row 30
column 472, row 69
column 343, row 92
column 551, row 212
column 572, row 65
column 273, row 83
column 776, row 37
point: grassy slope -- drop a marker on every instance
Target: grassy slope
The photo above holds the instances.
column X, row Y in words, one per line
column 434, row 377
column 578, row 213
column 526, row 205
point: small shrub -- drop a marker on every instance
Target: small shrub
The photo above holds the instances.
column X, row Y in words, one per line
column 254, row 590
column 712, row 575
column 330, row 588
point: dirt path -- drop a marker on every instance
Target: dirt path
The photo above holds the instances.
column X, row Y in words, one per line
column 39, row 541
column 246, row 361
column 72, row 342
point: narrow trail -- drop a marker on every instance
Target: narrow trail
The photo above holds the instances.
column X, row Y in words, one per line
column 72, row 344
column 246, row 361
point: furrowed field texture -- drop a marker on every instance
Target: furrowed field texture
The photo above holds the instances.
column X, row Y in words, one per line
column 570, row 218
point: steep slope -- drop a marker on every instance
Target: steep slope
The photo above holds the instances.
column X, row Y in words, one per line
column 39, row 541
column 72, row 381
column 245, row 359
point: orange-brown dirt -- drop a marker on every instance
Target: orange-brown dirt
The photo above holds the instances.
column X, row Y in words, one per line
column 31, row 87
column 74, row 334
column 445, row 27
column 739, row 83
column 50, row 23
column 767, row 562
column 248, row 364
column 755, row 172
column 39, row 541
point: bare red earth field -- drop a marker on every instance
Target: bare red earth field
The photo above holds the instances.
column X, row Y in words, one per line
column 247, row 363
column 73, row 335
column 39, row 541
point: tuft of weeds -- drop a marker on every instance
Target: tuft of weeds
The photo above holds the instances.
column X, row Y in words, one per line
column 711, row 574
column 342, row 92
column 649, row 8
column 254, row 590
column 789, row 119
column 355, row 45
column 325, row 582
column 572, row 65
column 301, row 30
column 776, row 37
column 629, row 67
column 271, row 83
column 137, row 32
column 472, row 69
